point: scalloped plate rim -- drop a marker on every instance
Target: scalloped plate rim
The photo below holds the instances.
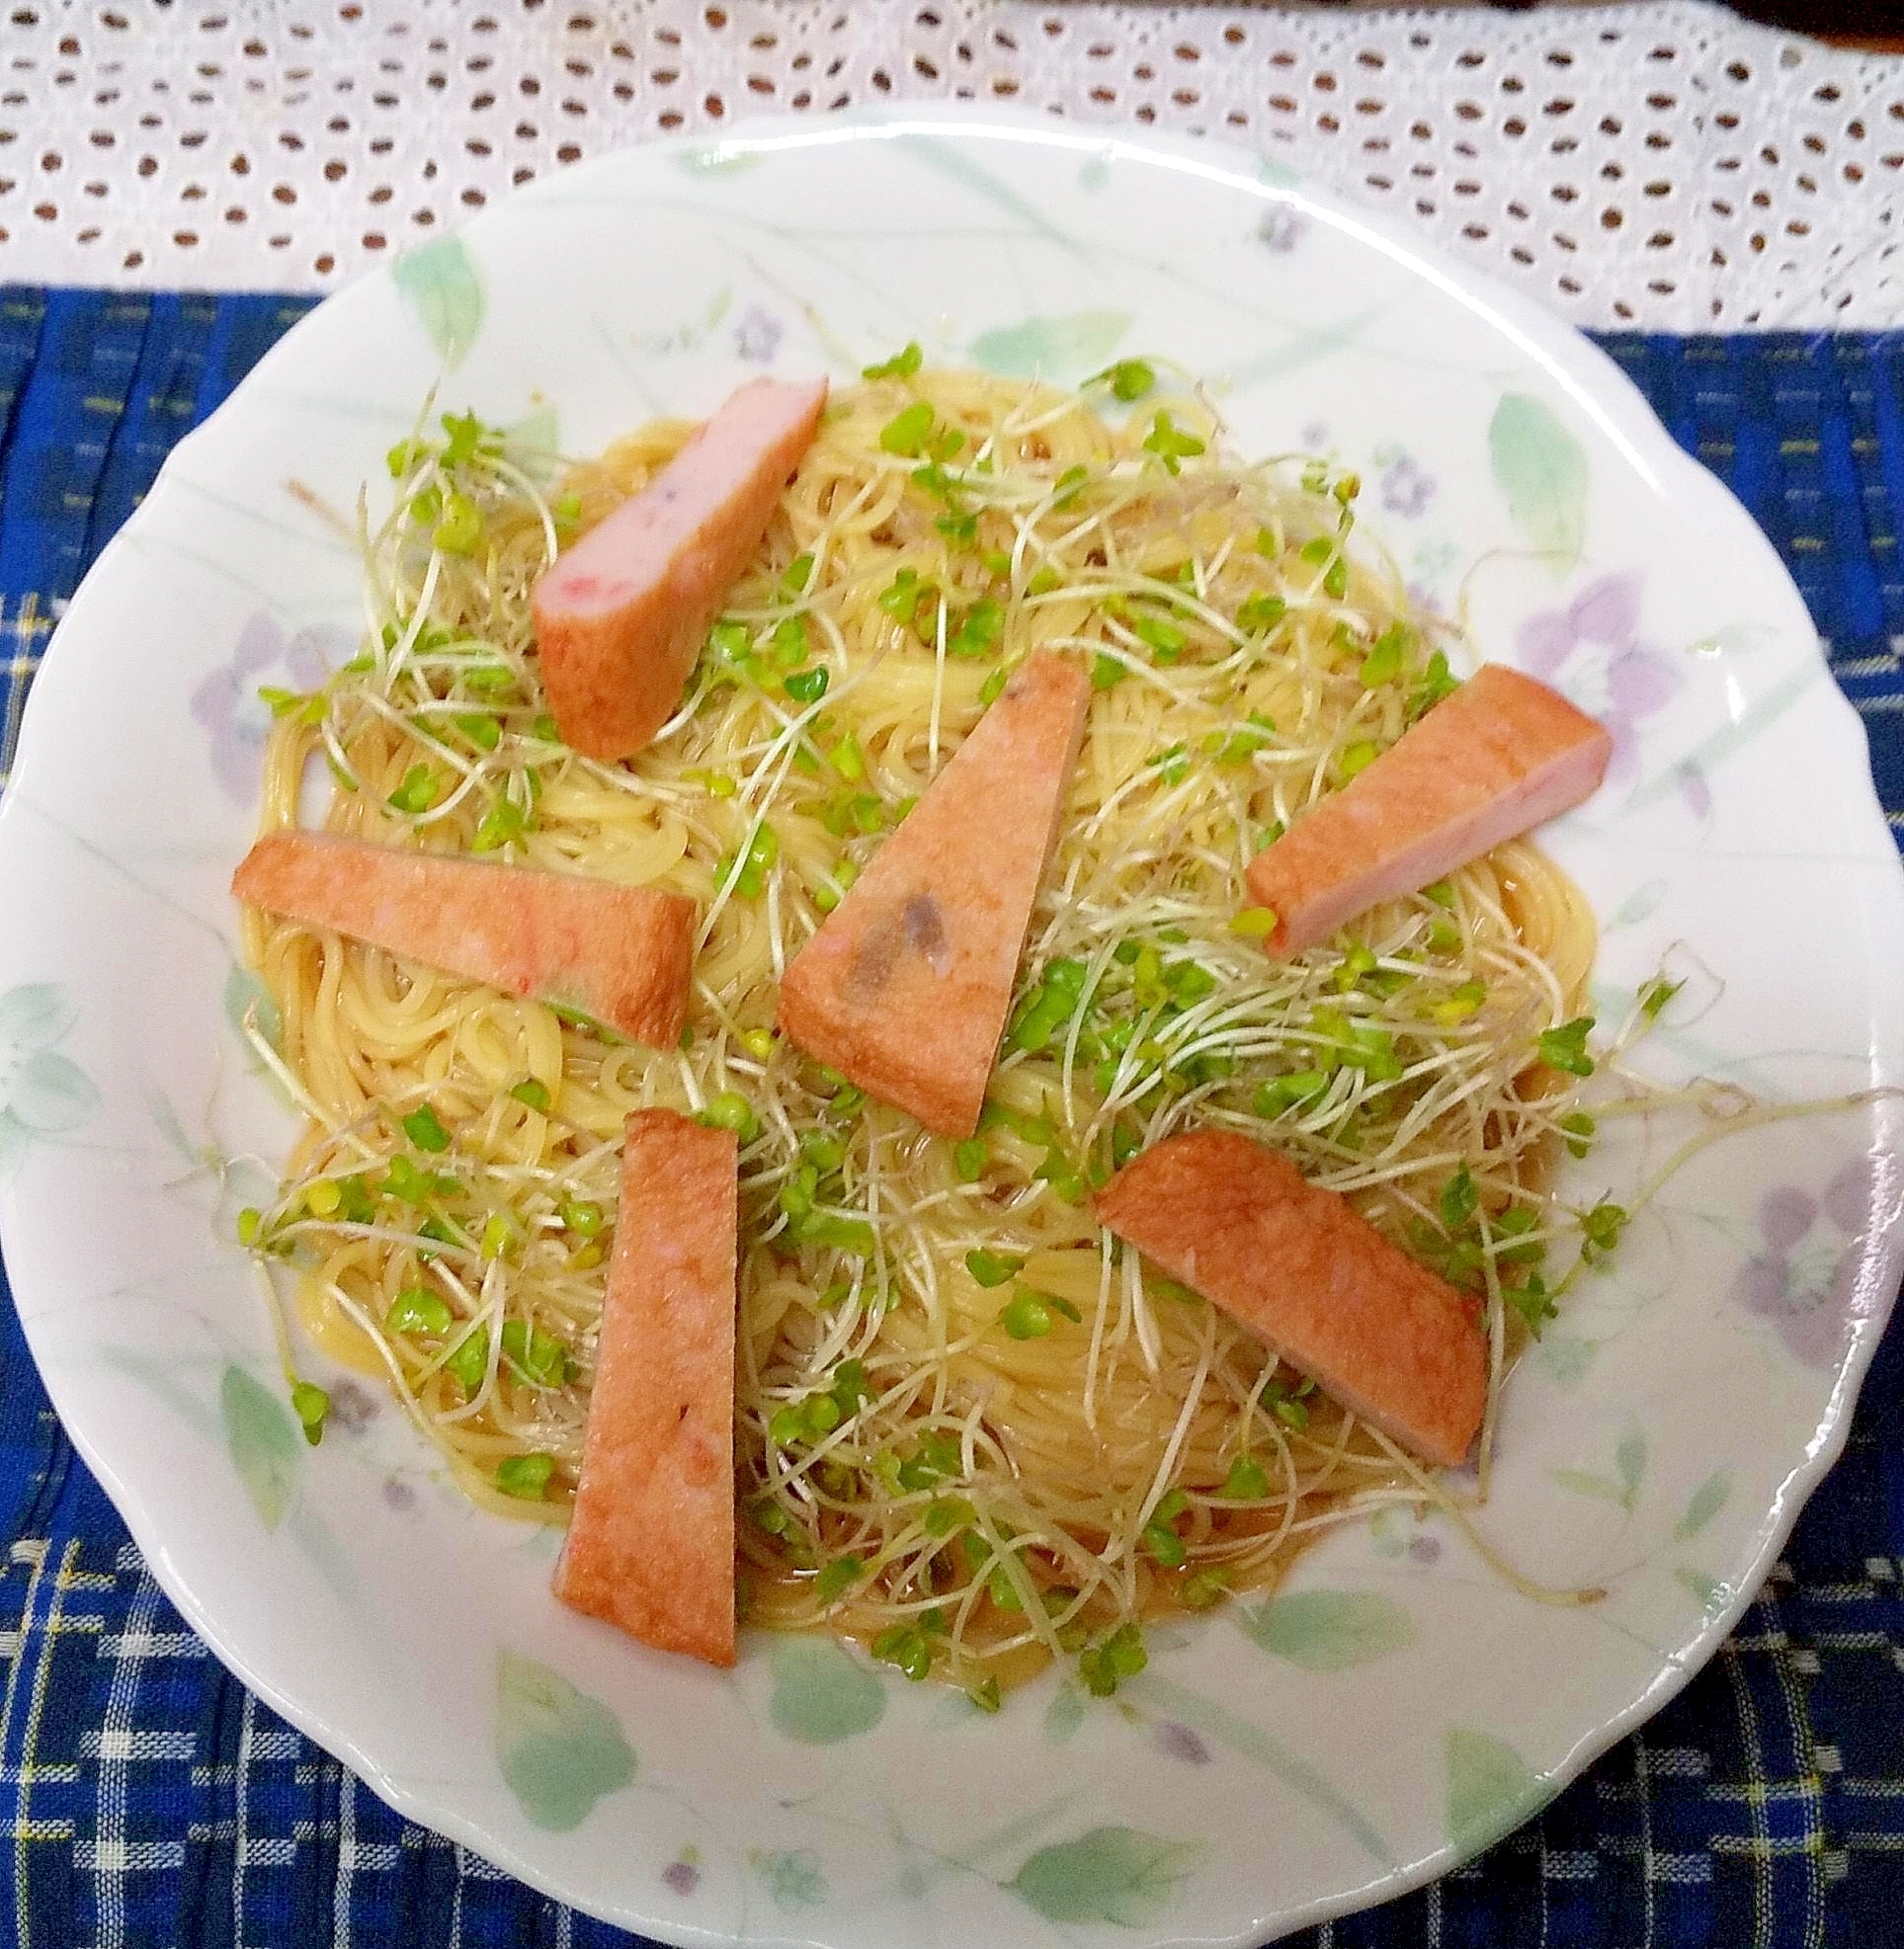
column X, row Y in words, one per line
column 1597, row 385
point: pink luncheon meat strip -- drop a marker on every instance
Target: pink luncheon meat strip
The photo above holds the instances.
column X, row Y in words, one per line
column 1502, row 754
column 651, row 1543
column 620, row 954
column 620, row 617
column 1305, row 1271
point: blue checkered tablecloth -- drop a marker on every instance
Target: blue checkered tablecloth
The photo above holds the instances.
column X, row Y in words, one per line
column 146, row 1800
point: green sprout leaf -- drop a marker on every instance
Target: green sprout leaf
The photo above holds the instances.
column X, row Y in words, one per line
column 418, row 1311
column 1601, row 1229
column 1026, row 1316
column 418, row 791
column 907, row 432
column 1565, row 1047
column 993, row 1269
column 1460, row 1197
column 310, row 1403
column 901, row 365
column 425, row 1130
column 1171, row 443
column 1128, row 379
column 525, row 1475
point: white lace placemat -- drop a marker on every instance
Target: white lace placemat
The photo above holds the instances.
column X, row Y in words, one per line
column 1664, row 166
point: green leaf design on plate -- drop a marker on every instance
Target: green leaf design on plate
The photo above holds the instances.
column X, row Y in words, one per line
column 34, row 1015
column 244, row 992
column 1728, row 738
column 1567, row 1357
column 1622, row 1487
column 1580, row 1482
column 1303, row 345
column 1490, row 1789
column 1388, row 1531
column 439, row 282
column 1064, row 1715
column 43, row 1093
column 1638, row 903
column 265, row 1447
column 1708, row 1498
column 166, row 1120
column 315, row 1537
column 1218, row 1721
column 1066, row 348
column 1329, row 1630
column 792, row 1876
column 1120, row 1875
column 50, row 1094
column 162, row 1380
column 822, row 1695
column 534, row 444
column 951, row 159
column 1710, row 1591
column 1541, row 470
column 1630, row 1458
column 559, row 1749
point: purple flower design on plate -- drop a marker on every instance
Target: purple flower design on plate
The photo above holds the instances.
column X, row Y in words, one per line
column 226, row 704
column 1807, row 1285
column 683, row 1876
column 1406, row 488
column 1281, row 230
column 1593, row 642
column 758, row 334
column 353, row 1408
column 1176, row 1740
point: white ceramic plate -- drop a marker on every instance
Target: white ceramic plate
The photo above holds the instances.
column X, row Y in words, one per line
column 1399, row 1705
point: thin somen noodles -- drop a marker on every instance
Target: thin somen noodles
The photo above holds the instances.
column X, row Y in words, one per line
column 972, row 1432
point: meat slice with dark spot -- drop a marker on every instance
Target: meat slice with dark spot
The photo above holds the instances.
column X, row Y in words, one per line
column 905, row 988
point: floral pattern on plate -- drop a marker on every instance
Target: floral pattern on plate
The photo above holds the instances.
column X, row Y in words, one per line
column 1391, row 1709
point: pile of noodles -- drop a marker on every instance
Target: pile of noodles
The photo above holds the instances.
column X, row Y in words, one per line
column 971, row 1464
